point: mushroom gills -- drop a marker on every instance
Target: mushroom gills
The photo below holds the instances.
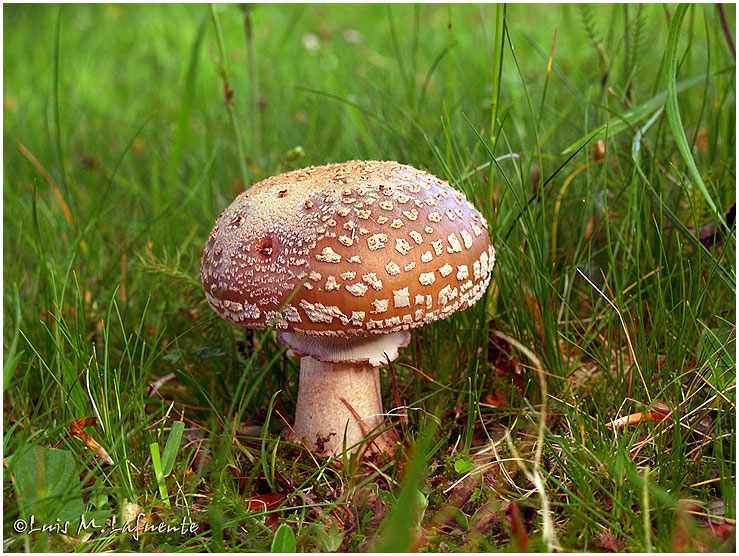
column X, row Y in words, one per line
column 375, row 349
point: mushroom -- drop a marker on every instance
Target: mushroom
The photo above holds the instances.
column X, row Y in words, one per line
column 343, row 260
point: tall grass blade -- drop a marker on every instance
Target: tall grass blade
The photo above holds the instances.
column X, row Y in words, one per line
column 725, row 275
column 255, row 117
column 156, row 462
column 11, row 357
column 172, row 447
column 497, row 72
column 268, row 473
column 57, row 117
column 673, row 113
column 188, row 93
column 397, row 531
column 228, row 100
column 620, row 122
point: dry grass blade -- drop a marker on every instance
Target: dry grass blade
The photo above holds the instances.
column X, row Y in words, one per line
column 625, row 329
column 534, row 475
column 49, row 179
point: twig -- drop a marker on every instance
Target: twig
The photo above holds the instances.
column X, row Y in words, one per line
column 157, row 384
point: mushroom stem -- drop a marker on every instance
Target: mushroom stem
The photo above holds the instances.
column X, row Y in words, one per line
column 338, row 401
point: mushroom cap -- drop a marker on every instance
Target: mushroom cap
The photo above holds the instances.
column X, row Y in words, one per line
column 347, row 249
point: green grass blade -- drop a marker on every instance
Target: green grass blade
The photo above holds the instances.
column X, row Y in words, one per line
column 159, row 472
column 268, row 470
column 673, row 113
column 187, row 100
column 620, row 122
column 228, row 92
column 646, row 514
column 397, row 531
column 172, row 447
column 430, row 73
column 57, row 118
column 498, row 41
column 726, row 276
column 12, row 358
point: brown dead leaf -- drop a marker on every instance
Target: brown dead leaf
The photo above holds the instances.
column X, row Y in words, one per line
column 264, row 501
column 501, row 358
column 75, row 428
column 719, row 530
column 132, row 513
column 659, row 411
column 461, row 493
column 681, row 535
column 518, row 530
column 626, row 421
column 370, row 504
column 600, row 150
column 712, row 235
column 486, row 519
column 496, row 399
column 272, row 521
column 703, row 528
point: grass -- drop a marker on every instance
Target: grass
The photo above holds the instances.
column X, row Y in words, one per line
column 596, row 139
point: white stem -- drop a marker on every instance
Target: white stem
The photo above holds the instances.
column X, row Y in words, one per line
column 330, row 397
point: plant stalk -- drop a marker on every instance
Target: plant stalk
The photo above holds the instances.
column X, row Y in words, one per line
column 228, row 97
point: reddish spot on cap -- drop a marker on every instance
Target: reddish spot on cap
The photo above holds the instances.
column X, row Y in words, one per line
column 264, row 247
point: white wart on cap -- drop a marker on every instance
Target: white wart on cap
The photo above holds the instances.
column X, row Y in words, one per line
column 379, row 246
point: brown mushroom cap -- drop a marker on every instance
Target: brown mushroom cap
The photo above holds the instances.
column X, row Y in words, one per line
column 379, row 246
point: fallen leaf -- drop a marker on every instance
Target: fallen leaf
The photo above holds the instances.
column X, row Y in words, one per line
column 272, row 521
column 657, row 412
column 131, row 513
column 76, row 429
column 626, row 421
column 486, row 519
column 720, row 530
column 500, row 356
column 496, row 399
column 600, row 150
column 518, row 530
column 264, row 501
column 712, row 235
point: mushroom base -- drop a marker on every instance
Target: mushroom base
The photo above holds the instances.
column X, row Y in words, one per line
column 340, row 404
